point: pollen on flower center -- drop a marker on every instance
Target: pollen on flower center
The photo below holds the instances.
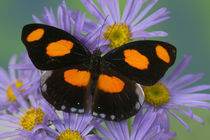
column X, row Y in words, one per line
column 117, row 34
column 31, row 117
column 69, row 135
column 157, row 94
column 10, row 95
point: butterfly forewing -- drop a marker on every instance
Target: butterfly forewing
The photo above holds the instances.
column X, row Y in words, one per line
column 143, row 61
column 50, row 48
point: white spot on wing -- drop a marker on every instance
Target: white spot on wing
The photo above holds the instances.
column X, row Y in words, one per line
column 95, row 114
column 45, row 76
column 102, row 115
column 137, row 106
column 140, row 93
column 81, row 110
column 44, row 88
column 63, row 107
column 112, row 117
column 73, row 109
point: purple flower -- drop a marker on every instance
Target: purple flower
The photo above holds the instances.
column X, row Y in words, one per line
column 70, row 126
column 32, row 112
column 131, row 25
column 145, row 126
column 68, row 19
column 17, row 77
column 174, row 93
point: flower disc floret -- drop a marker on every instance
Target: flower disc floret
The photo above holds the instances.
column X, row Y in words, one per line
column 69, row 135
column 10, row 95
column 117, row 34
column 31, row 118
column 157, row 94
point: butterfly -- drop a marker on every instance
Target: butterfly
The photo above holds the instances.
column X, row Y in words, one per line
column 76, row 80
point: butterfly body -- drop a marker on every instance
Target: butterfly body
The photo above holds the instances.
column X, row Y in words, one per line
column 109, row 86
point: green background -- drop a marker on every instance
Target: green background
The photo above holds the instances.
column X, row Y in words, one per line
column 188, row 30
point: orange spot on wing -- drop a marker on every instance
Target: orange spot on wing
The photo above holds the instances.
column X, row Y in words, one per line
column 35, row 35
column 136, row 59
column 110, row 84
column 162, row 53
column 76, row 77
column 59, row 48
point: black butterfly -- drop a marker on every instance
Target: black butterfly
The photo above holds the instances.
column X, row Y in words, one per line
column 74, row 77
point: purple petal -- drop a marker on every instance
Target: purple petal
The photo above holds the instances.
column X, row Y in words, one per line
column 193, row 89
column 119, row 129
column 78, row 27
column 4, row 80
column 178, row 70
column 49, row 17
column 66, row 120
column 185, row 81
column 144, row 34
column 145, row 11
column 37, row 20
column 73, row 120
column 10, row 118
column 92, row 8
column 85, row 122
column 179, row 119
column 22, row 66
column 12, row 71
column 90, row 26
column 47, row 128
column 147, row 121
column 20, row 98
column 189, row 114
column 201, row 97
column 136, row 123
column 107, row 134
column 117, row 10
column 112, row 129
column 153, row 19
column 8, row 133
column 11, row 125
column 93, row 137
column 124, row 128
column 104, row 6
column 134, row 10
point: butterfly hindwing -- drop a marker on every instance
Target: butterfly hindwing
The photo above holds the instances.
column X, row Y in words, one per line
column 143, row 61
column 51, row 48
column 67, row 89
column 116, row 97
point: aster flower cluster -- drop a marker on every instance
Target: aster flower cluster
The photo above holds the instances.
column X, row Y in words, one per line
column 25, row 114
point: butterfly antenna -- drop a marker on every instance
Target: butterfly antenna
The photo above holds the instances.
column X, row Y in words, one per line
column 101, row 30
column 109, row 33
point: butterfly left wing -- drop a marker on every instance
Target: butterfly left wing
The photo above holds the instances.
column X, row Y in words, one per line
column 50, row 48
column 116, row 97
column 67, row 89
column 142, row 61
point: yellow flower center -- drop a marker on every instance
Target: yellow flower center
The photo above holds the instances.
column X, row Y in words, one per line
column 10, row 94
column 69, row 135
column 117, row 34
column 31, row 117
column 157, row 94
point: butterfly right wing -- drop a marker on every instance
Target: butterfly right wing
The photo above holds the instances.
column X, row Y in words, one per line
column 67, row 89
column 50, row 48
